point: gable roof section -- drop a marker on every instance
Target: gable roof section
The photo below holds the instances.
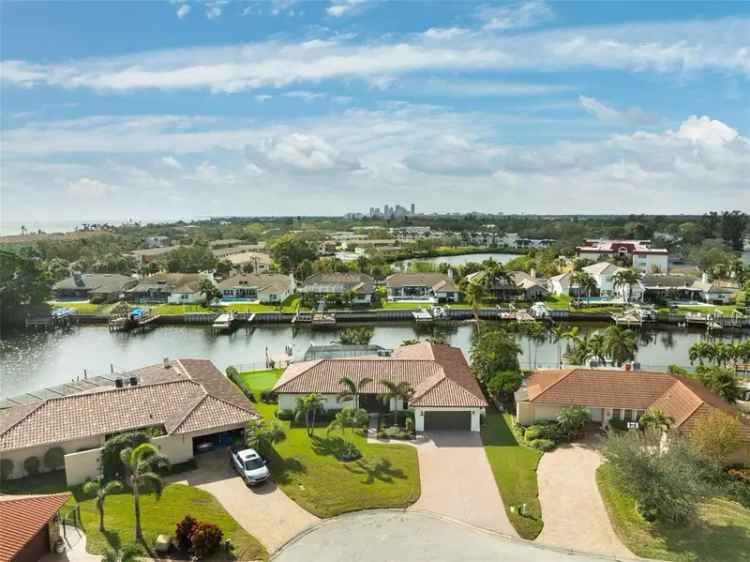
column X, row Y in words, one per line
column 263, row 282
column 170, row 282
column 435, row 281
column 198, row 392
column 96, row 282
column 602, row 268
column 21, row 518
column 439, row 375
column 359, row 283
column 684, row 400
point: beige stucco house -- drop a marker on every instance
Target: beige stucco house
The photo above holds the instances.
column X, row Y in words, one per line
column 188, row 401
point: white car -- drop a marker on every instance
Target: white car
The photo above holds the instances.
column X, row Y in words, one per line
column 250, row 465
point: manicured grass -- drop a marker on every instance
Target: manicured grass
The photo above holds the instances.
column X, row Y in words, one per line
column 256, row 382
column 387, row 476
column 160, row 516
column 84, row 307
column 514, row 467
column 290, row 305
column 157, row 516
column 722, row 308
column 721, row 532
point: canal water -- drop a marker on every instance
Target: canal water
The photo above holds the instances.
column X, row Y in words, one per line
column 32, row 361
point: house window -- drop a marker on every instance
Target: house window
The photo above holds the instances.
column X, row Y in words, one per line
column 628, row 415
column 616, row 414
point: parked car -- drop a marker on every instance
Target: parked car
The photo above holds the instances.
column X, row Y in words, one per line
column 250, row 465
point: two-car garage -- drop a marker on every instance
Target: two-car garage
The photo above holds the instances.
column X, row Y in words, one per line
column 437, row 420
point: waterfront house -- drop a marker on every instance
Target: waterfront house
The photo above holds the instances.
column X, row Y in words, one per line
column 617, row 394
column 432, row 287
column 172, row 288
column 94, row 287
column 258, row 262
column 518, row 286
column 656, row 287
column 446, row 394
column 188, row 403
column 532, row 287
column 716, row 291
column 639, row 252
column 257, row 287
column 359, row 285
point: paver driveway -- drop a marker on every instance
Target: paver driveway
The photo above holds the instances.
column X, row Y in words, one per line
column 457, row 481
column 573, row 511
column 265, row 512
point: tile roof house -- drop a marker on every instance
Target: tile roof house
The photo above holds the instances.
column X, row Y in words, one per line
column 621, row 395
column 173, row 288
column 643, row 256
column 359, row 284
column 189, row 401
column 96, row 287
column 261, row 287
column 432, row 287
column 520, row 286
column 29, row 526
column 446, row 393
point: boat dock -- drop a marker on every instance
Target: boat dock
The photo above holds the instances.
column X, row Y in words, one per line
column 223, row 324
column 136, row 319
column 422, row 316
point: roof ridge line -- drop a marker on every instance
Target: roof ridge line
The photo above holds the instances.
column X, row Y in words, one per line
column 570, row 370
column 701, row 402
column 181, row 420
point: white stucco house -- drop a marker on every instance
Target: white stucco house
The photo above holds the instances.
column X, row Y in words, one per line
column 188, row 401
column 446, row 394
column 172, row 288
column 431, row 287
column 265, row 288
column 359, row 285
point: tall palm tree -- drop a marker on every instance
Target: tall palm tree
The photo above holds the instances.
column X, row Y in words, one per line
column 475, row 292
column 128, row 553
column 307, row 408
column 101, row 491
column 625, row 279
column 621, row 344
column 700, row 351
column 140, row 465
column 557, row 334
column 352, row 390
column 597, row 345
column 396, row 391
column 585, row 282
column 657, row 419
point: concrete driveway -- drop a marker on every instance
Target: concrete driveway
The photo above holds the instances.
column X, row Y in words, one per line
column 265, row 511
column 457, row 481
column 397, row 536
column 573, row 511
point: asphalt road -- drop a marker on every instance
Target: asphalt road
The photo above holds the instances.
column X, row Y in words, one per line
column 396, row 536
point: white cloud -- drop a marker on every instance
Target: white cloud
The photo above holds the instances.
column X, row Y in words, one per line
column 283, row 6
column 171, row 162
column 214, row 8
column 606, row 113
column 88, row 188
column 303, row 95
column 706, row 130
column 339, row 8
column 440, row 33
column 301, row 153
column 183, row 10
column 682, row 47
column 520, row 15
column 487, row 88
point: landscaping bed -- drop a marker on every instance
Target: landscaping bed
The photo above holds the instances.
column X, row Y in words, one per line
column 514, row 467
column 721, row 532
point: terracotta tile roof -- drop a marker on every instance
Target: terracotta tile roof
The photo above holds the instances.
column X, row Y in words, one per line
column 439, row 375
column 179, row 405
column 685, row 400
column 21, row 518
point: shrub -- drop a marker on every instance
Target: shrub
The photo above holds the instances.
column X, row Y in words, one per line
column 269, row 397
column 6, row 469
column 409, row 425
column 548, row 430
column 184, row 531
column 206, row 539
column 533, row 432
column 32, row 465
column 285, row 415
column 112, row 467
column 618, row 425
column 54, row 458
column 542, row 444
column 348, row 452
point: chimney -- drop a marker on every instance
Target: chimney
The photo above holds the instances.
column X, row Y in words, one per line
column 532, row 274
column 704, row 277
column 165, row 363
column 119, row 382
column 133, row 381
column 450, row 273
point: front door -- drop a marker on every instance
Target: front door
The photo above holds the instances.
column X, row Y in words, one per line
column 372, row 403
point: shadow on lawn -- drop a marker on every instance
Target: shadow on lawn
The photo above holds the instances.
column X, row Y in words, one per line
column 707, row 542
column 283, row 469
column 381, row 470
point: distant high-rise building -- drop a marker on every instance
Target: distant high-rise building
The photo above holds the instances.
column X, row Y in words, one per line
column 413, row 211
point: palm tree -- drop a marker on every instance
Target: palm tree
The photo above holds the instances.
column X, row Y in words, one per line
column 396, row 391
column 307, row 409
column 700, row 351
column 557, row 333
column 585, row 282
column 140, row 463
column 352, row 390
column 536, row 334
column 625, row 278
column 475, row 293
column 262, row 435
column 621, row 344
column 597, row 345
column 101, row 491
column 656, row 419
column 128, row 553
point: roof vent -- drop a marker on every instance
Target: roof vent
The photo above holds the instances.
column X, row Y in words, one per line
column 133, row 381
column 119, row 383
column 165, row 362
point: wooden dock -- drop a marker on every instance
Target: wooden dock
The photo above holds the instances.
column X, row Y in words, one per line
column 132, row 322
column 322, row 319
column 423, row 316
column 223, row 324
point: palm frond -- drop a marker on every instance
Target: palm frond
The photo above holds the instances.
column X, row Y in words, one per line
column 154, row 480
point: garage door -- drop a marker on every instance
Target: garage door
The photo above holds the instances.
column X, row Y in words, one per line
column 436, row 420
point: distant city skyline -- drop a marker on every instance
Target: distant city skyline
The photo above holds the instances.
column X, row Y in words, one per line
column 324, row 108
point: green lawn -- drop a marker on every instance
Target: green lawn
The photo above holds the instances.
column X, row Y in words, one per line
column 720, row 534
column 514, row 467
column 307, row 471
column 705, row 309
column 83, row 307
column 290, row 305
column 158, row 516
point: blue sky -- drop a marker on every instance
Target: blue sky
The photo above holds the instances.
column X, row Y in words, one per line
column 116, row 110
